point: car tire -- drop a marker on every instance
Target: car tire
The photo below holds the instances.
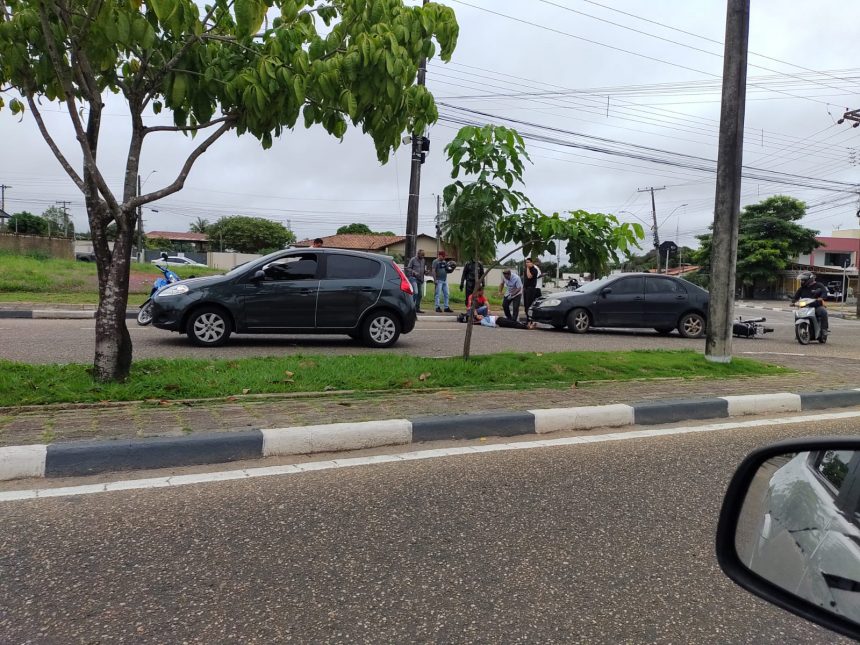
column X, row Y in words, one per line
column 664, row 331
column 691, row 325
column 578, row 321
column 380, row 329
column 208, row 327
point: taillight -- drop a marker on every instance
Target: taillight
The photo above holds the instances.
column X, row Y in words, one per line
column 404, row 281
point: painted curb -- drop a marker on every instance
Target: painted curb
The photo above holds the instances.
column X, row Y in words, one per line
column 58, row 314
column 92, row 457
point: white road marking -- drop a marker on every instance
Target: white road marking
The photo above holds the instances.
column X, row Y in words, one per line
column 350, row 462
column 774, row 353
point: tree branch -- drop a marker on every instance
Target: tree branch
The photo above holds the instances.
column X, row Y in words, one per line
column 52, row 144
column 178, row 184
column 190, row 128
column 69, row 90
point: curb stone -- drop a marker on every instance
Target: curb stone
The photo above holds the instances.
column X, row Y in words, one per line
column 80, row 458
column 58, row 314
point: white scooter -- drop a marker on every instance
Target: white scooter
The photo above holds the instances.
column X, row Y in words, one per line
column 807, row 327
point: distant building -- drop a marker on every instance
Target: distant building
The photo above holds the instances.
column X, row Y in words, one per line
column 836, row 259
column 394, row 245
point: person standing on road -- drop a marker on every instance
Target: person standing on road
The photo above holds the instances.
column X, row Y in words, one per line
column 473, row 271
column 530, row 285
column 513, row 288
column 439, row 269
column 415, row 274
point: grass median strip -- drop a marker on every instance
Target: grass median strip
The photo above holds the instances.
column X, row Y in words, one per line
column 160, row 379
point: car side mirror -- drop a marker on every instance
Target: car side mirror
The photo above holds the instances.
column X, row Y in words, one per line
column 605, row 291
column 789, row 530
column 259, row 276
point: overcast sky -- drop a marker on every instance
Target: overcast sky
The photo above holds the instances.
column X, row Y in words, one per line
column 530, row 60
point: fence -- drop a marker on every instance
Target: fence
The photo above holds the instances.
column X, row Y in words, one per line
column 55, row 247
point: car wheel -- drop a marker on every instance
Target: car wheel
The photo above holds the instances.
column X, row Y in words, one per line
column 578, row 321
column 381, row 329
column 691, row 326
column 208, row 327
column 664, row 331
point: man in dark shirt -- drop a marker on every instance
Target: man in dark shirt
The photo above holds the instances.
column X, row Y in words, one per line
column 811, row 288
column 530, row 285
column 473, row 271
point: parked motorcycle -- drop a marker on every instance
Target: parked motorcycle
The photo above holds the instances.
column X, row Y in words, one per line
column 750, row 328
column 807, row 327
column 144, row 316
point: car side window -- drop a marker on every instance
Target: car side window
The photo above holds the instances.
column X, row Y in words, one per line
column 294, row 267
column 663, row 285
column 343, row 267
column 832, row 466
column 627, row 286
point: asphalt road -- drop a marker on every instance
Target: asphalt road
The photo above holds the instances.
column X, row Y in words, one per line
column 595, row 543
column 63, row 341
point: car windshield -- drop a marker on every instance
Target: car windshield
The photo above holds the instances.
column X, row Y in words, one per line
column 239, row 268
column 594, row 285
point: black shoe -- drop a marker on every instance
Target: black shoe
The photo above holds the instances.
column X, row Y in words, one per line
column 438, row 310
column 419, row 311
column 449, row 310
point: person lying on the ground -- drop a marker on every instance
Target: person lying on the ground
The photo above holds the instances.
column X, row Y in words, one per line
column 501, row 321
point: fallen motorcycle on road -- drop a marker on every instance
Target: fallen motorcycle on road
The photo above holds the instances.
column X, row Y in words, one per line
column 750, row 328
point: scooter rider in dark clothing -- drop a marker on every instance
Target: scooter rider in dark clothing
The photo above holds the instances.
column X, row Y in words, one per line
column 811, row 288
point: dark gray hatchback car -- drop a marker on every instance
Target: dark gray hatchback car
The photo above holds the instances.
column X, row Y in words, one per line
column 298, row 291
column 632, row 300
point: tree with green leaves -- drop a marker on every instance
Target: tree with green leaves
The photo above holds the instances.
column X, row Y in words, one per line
column 360, row 229
column 250, row 234
column 25, row 223
column 769, row 237
column 199, row 225
column 594, row 241
column 494, row 157
column 59, row 222
column 246, row 66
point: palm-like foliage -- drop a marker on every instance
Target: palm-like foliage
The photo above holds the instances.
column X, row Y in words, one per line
column 200, row 225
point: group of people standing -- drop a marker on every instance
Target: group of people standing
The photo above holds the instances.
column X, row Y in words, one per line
column 513, row 289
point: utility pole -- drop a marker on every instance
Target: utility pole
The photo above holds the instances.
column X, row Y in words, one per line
column 654, row 230
column 3, row 213
column 65, row 206
column 724, row 242
column 141, row 256
column 438, row 225
column 853, row 115
column 420, row 145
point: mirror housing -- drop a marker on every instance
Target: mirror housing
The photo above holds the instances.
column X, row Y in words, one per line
column 763, row 466
column 259, row 276
column 605, row 291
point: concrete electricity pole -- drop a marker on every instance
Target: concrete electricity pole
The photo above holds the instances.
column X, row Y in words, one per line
column 420, row 145
column 654, row 220
column 724, row 242
column 3, row 188
column 65, row 206
column 853, row 115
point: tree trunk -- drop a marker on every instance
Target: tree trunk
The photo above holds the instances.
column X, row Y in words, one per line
column 113, row 350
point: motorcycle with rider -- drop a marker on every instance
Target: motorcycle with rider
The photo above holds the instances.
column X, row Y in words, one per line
column 811, row 321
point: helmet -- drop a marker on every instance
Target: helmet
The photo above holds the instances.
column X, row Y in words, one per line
column 806, row 278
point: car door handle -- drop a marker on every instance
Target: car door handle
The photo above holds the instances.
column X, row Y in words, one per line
column 680, row 297
column 308, row 292
column 368, row 288
column 638, row 298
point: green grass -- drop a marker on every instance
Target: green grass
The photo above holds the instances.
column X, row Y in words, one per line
column 32, row 278
column 24, row 384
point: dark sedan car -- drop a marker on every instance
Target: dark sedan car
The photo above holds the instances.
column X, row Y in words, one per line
column 313, row 291
column 632, row 300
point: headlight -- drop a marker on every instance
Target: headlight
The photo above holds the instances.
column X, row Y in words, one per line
column 552, row 302
column 174, row 290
